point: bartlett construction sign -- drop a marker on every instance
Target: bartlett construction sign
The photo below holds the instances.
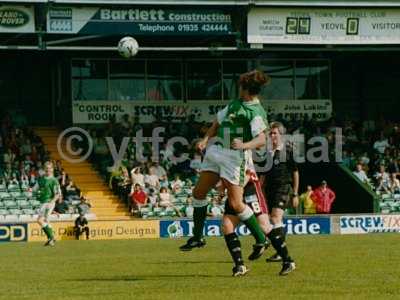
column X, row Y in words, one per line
column 175, row 111
column 138, row 21
column 17, row 19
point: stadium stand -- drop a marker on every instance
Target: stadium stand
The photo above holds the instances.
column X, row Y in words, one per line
column 372, row 152
column 23, row 153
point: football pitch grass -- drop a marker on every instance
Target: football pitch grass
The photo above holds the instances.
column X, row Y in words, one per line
column 328, row 267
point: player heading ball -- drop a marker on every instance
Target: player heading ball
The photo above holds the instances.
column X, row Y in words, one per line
column 244, row 121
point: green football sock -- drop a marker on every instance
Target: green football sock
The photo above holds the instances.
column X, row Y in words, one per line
column 255, row 229
column 249, row 219
column 199, row 217
column 48, row 231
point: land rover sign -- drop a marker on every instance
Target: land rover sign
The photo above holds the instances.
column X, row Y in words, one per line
column 17, row 19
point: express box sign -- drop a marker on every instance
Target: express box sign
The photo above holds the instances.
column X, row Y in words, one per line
column 138, row 21
column 293, row 225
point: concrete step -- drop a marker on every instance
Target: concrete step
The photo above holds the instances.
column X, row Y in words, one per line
column 105, row 210
column 117, row 218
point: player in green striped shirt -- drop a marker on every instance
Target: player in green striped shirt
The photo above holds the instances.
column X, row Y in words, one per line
column 49, row 192
column 238, row 129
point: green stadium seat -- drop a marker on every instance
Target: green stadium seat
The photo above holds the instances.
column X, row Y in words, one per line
column 13, row 188
column 4, row 195
column 3, row 212
column 28, row 211
column 15, row 211
column 10, row 204
column 15, row 194
column 23, row 204
column 157, row 211
column 35, row 203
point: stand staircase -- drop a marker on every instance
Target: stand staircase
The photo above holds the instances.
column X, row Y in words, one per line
column 105, row 205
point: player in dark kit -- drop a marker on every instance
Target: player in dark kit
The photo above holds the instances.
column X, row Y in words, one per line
column 280, row 177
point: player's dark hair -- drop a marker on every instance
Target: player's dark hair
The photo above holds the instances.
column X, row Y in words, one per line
column 253, row 81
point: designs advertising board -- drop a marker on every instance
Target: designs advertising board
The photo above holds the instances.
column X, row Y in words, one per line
column 293, row 225
column 100, row 230
column 369, row 224
column 17, row 19
column 85, row 112
column 324, row 26
column 138, row 21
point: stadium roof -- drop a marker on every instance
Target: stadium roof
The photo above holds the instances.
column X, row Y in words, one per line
column 320, row 3
column 342, row 3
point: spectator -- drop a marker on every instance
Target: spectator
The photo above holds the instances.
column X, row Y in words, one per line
column 138, row 198
column 9, row 156
column 382, row 186
column 382, row 176
column 159, row 171
column 394, row 184
column 63, row 178
column 214, row 209
column 307, row 201
column 177, row 184
column 71, row 192
column 189, row 207
column 394, row 166
column 84, row 206
column 137, row 177
column 81, row 226
column 61, row 207
column 165, row 198
column 126, row 122
column 381, row 144
column 124, row 185
column 323, row 197
column 360, row 173
column 152, row 179
column 152, row 197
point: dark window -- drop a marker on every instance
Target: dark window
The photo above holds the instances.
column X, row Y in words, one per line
column 127, row 80
column 89, row 79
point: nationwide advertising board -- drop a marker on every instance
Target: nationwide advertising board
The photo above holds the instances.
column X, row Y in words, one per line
column 359, row 224
column 294, row 225
column 138, row 21
column 17, row 19
column 85, row 112
column 13, row 232
column 324, row 26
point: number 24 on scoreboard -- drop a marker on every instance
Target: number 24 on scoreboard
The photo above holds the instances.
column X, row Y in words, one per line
column 298, row 25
